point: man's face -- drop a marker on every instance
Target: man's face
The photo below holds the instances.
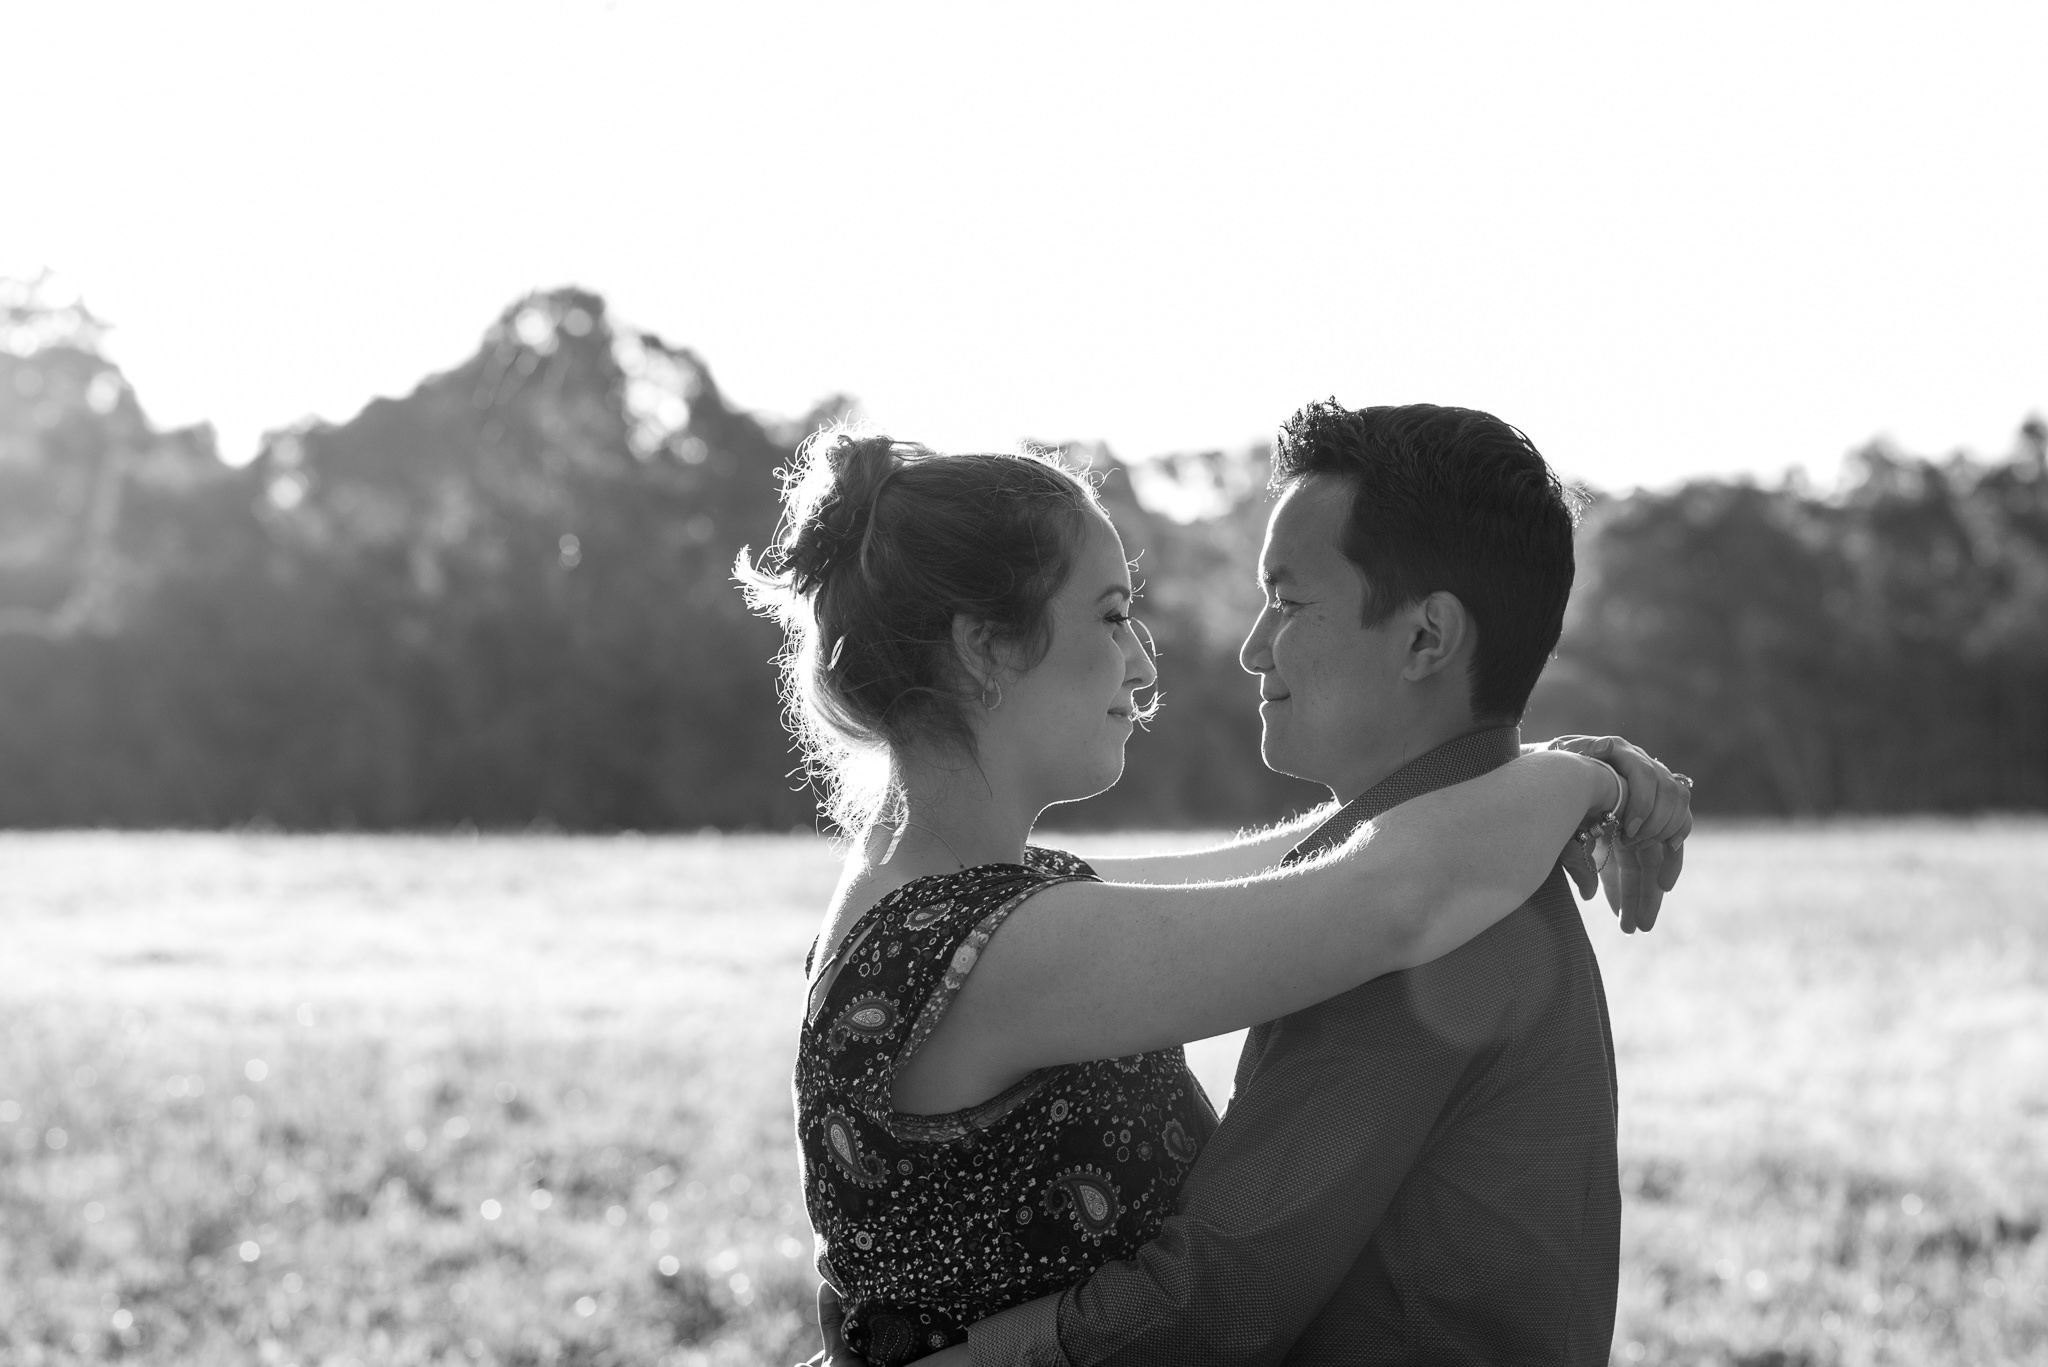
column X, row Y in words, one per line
column 1330, row 688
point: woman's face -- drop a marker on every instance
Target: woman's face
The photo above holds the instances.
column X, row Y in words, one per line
column 1062, row 724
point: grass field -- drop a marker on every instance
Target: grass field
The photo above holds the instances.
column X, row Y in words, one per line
column 405, row 1100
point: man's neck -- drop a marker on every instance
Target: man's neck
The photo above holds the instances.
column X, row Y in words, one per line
column 1413, row 743
column 1487, row 746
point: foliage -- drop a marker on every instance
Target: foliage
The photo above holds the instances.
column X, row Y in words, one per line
column 1885, row 649
column 505, row 599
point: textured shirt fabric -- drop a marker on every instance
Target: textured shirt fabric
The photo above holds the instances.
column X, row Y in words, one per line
column 926, row 1223
column 1420, row 1170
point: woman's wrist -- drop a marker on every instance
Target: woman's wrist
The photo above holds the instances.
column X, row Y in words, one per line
column 1610, row 791
column 1612, row 816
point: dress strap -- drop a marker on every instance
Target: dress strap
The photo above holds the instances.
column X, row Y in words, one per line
column 965, row 955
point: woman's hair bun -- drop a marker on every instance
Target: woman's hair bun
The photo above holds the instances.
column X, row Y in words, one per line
column 883, row 547
column 838, row 479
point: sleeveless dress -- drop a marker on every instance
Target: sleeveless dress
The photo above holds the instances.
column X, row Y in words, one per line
column 927, row 1223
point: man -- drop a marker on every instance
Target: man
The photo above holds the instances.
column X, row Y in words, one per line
column 1421, row 1170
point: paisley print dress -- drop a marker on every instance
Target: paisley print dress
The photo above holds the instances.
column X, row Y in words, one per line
column 927, row 1223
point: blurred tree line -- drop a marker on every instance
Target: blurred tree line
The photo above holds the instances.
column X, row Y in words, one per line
column 506, row 599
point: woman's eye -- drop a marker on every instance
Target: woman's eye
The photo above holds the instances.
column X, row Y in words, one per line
column 1117, row 619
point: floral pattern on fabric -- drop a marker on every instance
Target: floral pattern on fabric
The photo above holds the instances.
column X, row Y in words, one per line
column 868, row 1017
column 926, row 1224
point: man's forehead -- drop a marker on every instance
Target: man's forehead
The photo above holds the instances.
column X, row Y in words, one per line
column 1306, row 529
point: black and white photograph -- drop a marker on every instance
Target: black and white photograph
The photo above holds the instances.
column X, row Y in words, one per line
column 1064, row 685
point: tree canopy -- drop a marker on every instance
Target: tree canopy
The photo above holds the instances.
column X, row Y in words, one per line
column 506, row 599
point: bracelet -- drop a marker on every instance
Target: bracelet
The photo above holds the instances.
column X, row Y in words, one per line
column 1608, row 827
column 1613, row 818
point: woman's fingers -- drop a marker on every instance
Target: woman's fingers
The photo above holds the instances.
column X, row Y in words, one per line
column 1649, row 858
column 1655, row 821
column 1674, row 860
column 1636, row 890
column 1669, row 804
column 1644, row 781
column 1659, row 802
column 1646, row 778
column 1655, row 795
column 1579, row 867
column 1634, row 883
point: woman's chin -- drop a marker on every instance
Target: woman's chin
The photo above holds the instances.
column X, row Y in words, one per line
column 1098, row 782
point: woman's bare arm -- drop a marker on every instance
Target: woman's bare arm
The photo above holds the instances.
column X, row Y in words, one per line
column 1248, row 853
column 1092, row 970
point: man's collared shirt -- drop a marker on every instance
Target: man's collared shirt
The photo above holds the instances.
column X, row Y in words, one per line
column 1419, row 1170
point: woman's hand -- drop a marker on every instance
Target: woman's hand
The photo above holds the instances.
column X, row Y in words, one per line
column 1644, row 862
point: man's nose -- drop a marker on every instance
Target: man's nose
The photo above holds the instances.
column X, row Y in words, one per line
column 1256, row 654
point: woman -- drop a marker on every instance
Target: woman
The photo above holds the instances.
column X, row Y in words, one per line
column 991, row 1100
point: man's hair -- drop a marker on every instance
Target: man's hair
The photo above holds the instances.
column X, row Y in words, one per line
column 1456, row 500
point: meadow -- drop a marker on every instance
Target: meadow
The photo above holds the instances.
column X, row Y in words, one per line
column 523, row 1100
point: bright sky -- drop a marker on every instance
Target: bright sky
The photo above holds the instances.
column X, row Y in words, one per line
column 1663, row 239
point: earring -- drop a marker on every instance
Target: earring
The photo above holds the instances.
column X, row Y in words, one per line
column 991, row 684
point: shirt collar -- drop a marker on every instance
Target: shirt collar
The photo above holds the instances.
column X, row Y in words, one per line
column 1454, row 761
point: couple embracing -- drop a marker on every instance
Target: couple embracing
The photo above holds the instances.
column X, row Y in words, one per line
column 1005, row 1157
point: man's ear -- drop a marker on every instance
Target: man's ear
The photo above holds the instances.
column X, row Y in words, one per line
column 1439, row 628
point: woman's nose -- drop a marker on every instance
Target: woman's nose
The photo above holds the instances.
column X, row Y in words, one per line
column 1143, row 670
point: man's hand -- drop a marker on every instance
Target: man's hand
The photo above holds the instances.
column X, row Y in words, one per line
column 831, row 1327
column 1644, row 862
column 835, row 1353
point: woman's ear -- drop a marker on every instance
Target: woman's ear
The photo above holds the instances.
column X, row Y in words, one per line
column 975, row 647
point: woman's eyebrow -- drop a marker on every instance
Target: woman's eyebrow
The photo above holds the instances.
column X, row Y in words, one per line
column 1113, row 591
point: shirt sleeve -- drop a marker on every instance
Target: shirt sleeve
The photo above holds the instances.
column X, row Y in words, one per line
column 1025, row 1335
column 1295, row 1180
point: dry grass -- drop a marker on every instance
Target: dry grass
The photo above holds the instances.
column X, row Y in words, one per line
column 1834, row 1063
